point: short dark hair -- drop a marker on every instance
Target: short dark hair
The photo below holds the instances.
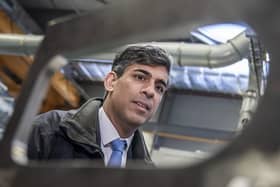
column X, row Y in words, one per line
column 147, row 55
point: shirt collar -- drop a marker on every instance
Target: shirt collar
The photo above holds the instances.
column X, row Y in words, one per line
column 108, row 131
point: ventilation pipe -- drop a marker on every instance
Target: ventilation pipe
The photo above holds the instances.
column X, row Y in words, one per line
column 189, row 54
column 18, row 44
column 184, row 54
column 256, row 85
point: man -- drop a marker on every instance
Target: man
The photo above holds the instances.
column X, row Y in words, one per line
column 134, row 89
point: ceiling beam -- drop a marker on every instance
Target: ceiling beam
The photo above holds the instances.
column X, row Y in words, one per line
column 20, row 17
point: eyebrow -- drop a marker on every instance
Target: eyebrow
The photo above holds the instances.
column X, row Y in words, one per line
column 149, row 74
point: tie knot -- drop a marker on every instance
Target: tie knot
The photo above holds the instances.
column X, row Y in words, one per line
column 118, row 145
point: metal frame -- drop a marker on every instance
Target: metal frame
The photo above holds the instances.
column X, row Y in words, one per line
column 245, row 161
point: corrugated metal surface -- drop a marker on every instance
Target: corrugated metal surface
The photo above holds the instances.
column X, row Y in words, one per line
column 232, row 79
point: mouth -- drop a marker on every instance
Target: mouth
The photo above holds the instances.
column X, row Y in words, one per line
column 143, row 105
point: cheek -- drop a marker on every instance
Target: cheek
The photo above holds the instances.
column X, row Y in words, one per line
column 123, row 93
column 130, row 89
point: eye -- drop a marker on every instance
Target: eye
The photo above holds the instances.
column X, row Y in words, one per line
column 160, row 89
column 140, row 77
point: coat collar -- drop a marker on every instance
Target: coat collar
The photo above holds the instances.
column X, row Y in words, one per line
column 82, row 125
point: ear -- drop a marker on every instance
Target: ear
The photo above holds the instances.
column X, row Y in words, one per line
column 110, row 80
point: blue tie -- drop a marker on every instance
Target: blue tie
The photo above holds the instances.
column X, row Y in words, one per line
column 118, row 146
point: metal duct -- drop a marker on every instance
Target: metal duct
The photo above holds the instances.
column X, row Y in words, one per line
column 184, row 54
column 188, row 54
column 18, row 44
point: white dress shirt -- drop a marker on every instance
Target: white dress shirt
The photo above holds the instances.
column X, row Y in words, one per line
column 108, row 133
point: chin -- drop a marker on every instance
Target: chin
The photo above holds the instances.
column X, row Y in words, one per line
column 138, row 121
column 137, row 118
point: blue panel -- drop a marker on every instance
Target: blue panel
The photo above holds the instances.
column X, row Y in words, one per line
column 232, row 79
column 6, row 107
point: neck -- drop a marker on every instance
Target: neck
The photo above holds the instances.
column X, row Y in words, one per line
column 124, row 130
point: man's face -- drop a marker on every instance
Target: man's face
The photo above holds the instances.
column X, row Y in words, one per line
column 135, row 96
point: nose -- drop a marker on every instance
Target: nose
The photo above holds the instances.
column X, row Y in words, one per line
column 149, row 90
